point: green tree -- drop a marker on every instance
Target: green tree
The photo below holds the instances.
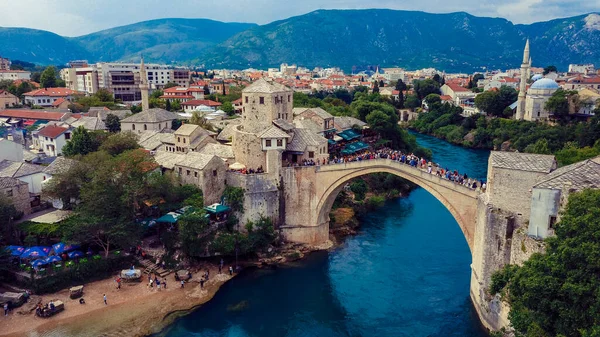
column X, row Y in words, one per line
column 136, row 109
column 81, row 143
column 557, row 293
column 8, row 216
column 168, row 105
column 559, row 103
column 170, row 85
column 539, row 147
column 425, row 87
column 120, row 142
column 176, row 106
column 104, row 95
column 550, row 69
column 359, row 188
column 476, row 78
column 206, row 89
column 112, row 123
column 432, row 99
column 193, row 226
column 234, row 197
column 375, row 87
column 227, row 107
column 48, row 77
column 412, row 102
column 487, row 102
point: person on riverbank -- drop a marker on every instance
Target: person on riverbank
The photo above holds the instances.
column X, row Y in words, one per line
column 157, row 284
column 105, row 302
column 230, row 270
column 150, row 283
column 182, row 283
column 202, row 283
column 164, row 282
column 5, row 309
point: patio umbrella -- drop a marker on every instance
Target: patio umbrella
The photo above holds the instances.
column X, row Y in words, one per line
column 75, row 254
column 237, row 166
column 35, row 252
column 61, row 247
column 15, row 250
column 53, row 258
column 38, row 263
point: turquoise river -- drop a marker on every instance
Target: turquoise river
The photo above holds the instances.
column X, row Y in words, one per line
column 406, row 273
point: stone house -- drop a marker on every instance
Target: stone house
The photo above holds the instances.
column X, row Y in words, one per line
column 199, row 104
column 460, row 95
column 152, row 119
column 510, row 177
column 207, row 172
column 31, row 174
column 306, row 145
column 550, row 195
column 61, row 103
column 7, row 99
column 321, row 117
column 190, row 138
column 17, row 192
column 51, row 139
column 182, row 94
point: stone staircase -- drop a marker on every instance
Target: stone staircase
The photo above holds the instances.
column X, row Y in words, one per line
column 152, row 268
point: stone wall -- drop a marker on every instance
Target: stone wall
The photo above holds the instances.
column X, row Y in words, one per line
column 510, row 190
column 524, row 246
column 261, row 195
column 259, row 116
column 19, row 198
column 247, row 149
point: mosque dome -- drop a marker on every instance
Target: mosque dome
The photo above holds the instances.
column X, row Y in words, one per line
column 544, row 83
column 537, row 77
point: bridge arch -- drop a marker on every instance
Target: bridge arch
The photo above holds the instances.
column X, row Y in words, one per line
column 460, row 201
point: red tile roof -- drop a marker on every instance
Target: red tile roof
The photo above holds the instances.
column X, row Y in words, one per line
column 58, row 102
column 456, row 87
column 52, row 131
column 446, row 97
column 52, row 92
column 32, row 83
column 176, row 96
column 206, row 102
column 32, row 114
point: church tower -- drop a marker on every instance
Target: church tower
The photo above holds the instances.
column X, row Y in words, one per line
column 525, row 66
column 144, row 86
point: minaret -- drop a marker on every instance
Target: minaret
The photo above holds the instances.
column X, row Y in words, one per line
column 523, row 85
column 144, row 86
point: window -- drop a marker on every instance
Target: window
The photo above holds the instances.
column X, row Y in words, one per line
column 184, row 141
column 132, row 126
column 9, row 193
column 187, row 172
column 214, row 173
column 311, row 154
column 278, row 115
column 195, row 174
column 268, row 143
column 145, row 127
column 289, row 98
column 180, row 171
column 279, row 142
column 179, row 139
column 46, row 138
column 67, row 135
column 552, row 221
column 261, row 100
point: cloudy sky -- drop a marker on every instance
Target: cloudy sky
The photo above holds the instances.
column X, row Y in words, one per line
column 79, row 17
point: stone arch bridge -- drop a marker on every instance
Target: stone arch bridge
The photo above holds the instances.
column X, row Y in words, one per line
column 309, row 193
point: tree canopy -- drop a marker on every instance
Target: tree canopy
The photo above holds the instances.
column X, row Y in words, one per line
column 81, row 143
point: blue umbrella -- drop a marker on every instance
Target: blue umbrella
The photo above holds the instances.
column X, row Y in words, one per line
column 15, row 250
column 38, row 263
column 35, row 252
column 61, row 247
column 53, row 258
column 75, row 254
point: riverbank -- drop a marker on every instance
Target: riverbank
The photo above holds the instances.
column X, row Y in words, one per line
column 133, row 310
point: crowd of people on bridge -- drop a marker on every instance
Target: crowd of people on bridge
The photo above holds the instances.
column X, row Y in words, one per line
column 414, row 161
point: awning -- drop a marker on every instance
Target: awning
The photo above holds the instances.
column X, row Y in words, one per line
column 237, row 166
column 337, row 138
column 354, row 147
column 348, row 134
column 29, row 122
column 331, row 141
column 170, row 217
column 217, row 208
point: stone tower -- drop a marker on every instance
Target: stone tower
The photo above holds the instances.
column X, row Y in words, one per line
column 144, row 86
column 263, row 103
column 525, row 66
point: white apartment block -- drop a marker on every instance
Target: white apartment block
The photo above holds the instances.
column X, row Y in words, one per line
column 123, row 79
column 14, row 75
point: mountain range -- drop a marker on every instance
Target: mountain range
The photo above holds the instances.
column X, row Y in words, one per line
column 344, row 38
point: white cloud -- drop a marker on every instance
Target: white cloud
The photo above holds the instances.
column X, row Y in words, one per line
column 79, row 17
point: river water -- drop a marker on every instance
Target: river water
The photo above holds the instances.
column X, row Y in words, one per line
column 405, row 274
